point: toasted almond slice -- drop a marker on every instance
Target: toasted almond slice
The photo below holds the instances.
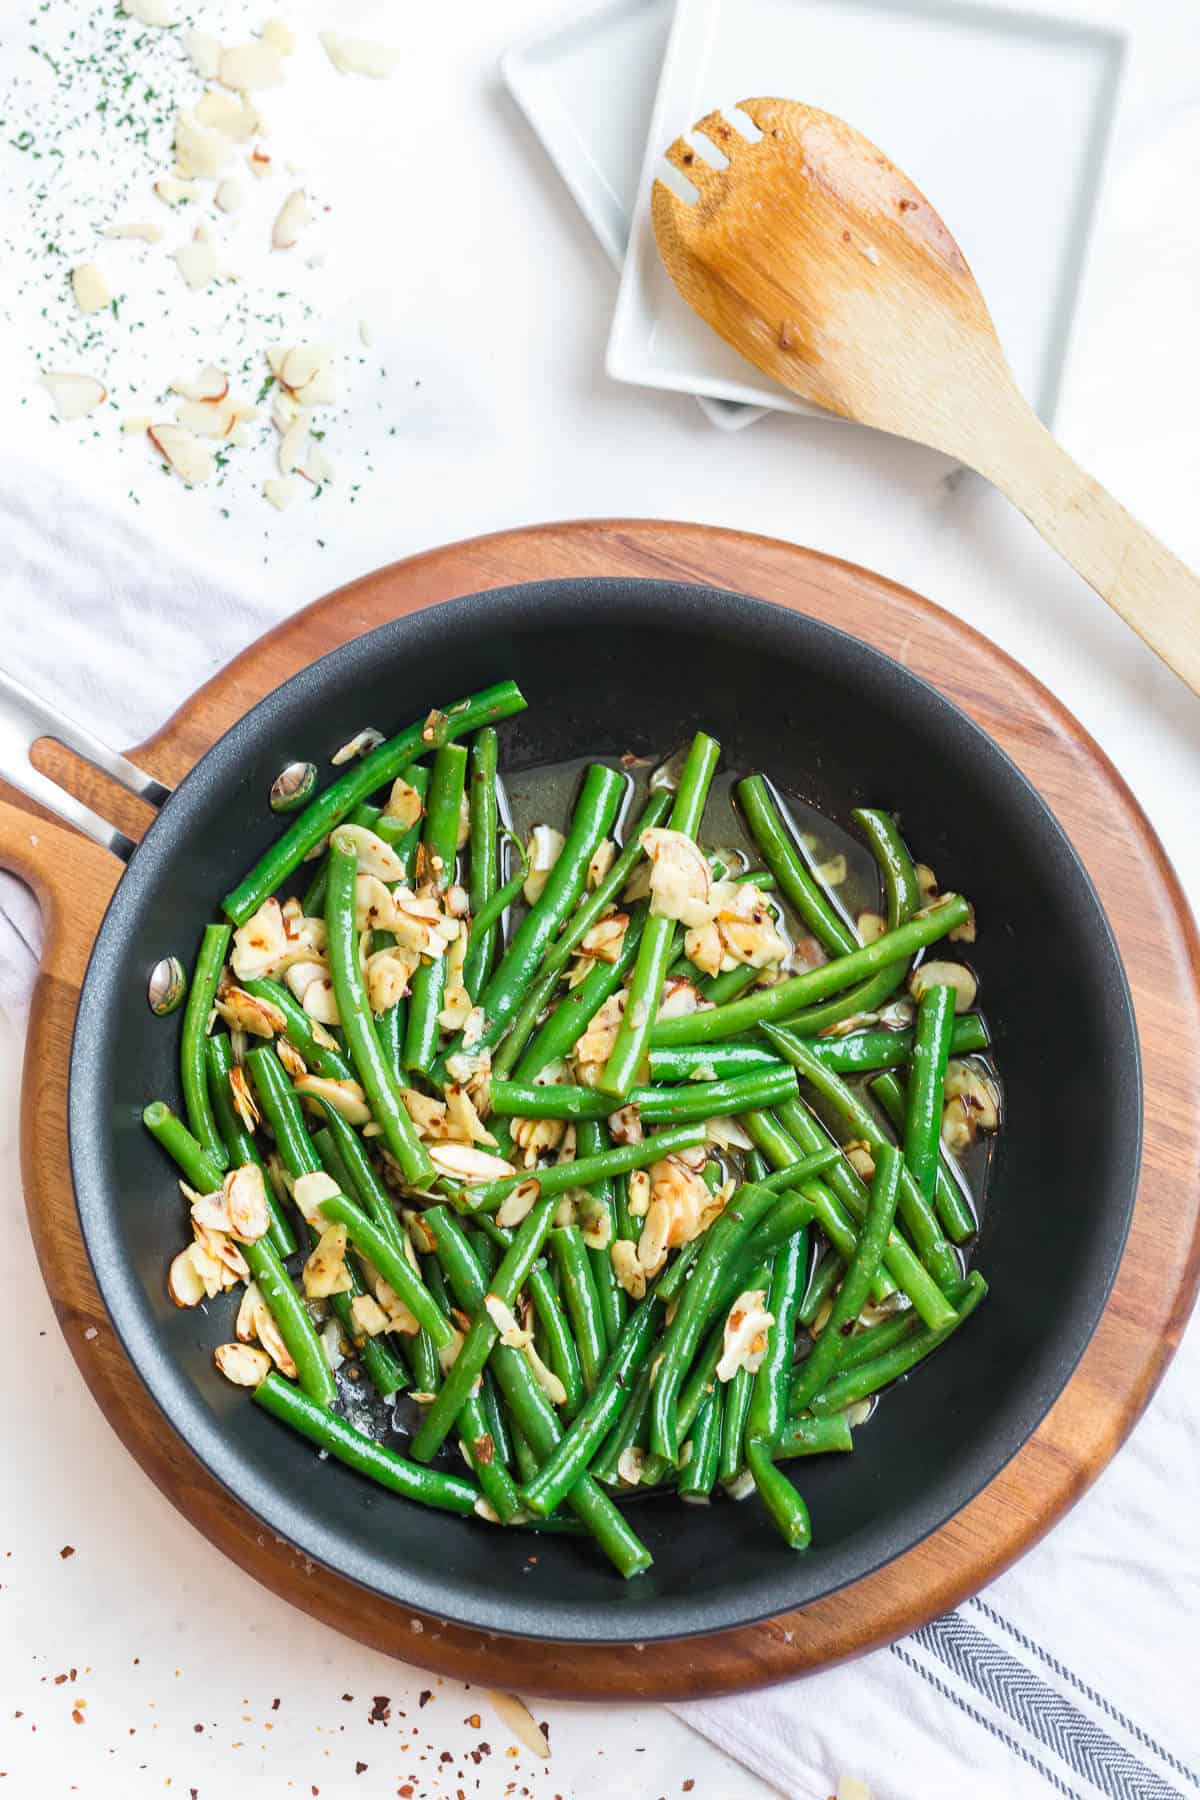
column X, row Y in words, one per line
column 388, row 978
column 175, row 192
column 149, row 12
column 247, row 1318
column 242, row 1364
column 320, row 1001
column 249, row 66
column 346, row 1097
column 290, row 221
column 200, row 150
column 512, row 1335
column 136, row 228
column 259, row 162
column 301, row 976
column 518, row 1204
column 375, row 857
column 191, row 459
column 271, row 1339
column 630, row 1464
column 197, row 263
column 325, row 1272
column 368, row 1317
column 184, row 1283
column 246, row 1012
column 516, row 1715
column 404, row 803
column 91, row 291
column 280, row 490
column 463, row 1162
column 545, row 848
column 680, row 878
column 309, row 1191
column 461, row 1112
column 602, row 862
column 546, row 1379
column 301, row 363
column 627, row 1268
column 210, row 383
column 204, row 52
column 359, row 56
column 211, row 1211
column 246, row 1198
column 233, row 114
column 208, row 418
column 746, row 1333
column 75, row 396
column 945, row 974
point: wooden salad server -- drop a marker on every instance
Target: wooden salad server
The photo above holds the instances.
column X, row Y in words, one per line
column 818, row 260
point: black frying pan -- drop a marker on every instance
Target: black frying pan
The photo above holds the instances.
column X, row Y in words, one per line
column 610, row 666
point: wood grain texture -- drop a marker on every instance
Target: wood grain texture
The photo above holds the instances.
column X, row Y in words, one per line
column 823, row 265
column 1158, row 1277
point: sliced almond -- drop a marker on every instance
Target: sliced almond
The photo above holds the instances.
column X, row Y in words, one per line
column 945, row 974
column 145, row 229
column 262, row 944
column 602, row 861
column 345, row 1097
column 149, row 12
column 308, row 1193
column 388, row 978
column 175, row 192
column 247, row 67
column 463, row 1162
column 278, row 33
column 91, row 291
column 259, row 162
column 375, row 857
column 245, row 1195
column 281, row 490
column 242, row 1364
column 246, row 1012
column 200, row 150
column 75, row 396
column 197, row 263
column 512, row 1334
column 627, row 1268
column 317, row 466
column 680, row 878
column 191, row 459
column 546, row 1379
column 518, row 1204
column 367, row 1316
column 293, row 447
column 359, row 56
column 230, row 195
column 204, row 52
column 290, row 221
column 320, row 1001
column 404, row 803
column 184, row 1283
column 544, row 848
column 271, row 1339
column 135, row 424
column 746, row 1332
column 325, row 1272
column 210, row 383
column 247, row 1318
column 236, row 117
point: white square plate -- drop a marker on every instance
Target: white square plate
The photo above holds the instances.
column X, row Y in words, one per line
column 1002, row 118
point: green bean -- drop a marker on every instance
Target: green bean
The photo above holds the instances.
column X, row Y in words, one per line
column 657, row 1106
column 523, row 1455
column 584, row 1170
column 449, row 1493
column 580, row 1299
column 583, row 1437
column 472, row 1357
column 806, row 1436
column 627, row 1434
column 423, row 1362
column 719, row 989
column 783, row 856
column 532, row 1412
column 852, row 1296
column 848, row 1203
column 654, row 951
column 699, row 1472
column 381, row 766
column 199, row 1170
column 193, row 1072
column 860, row 1052
column 926, row 1086
column 280, row 1107
column 366, row 1185
column 709, row 1062
column 387, row 1373
column 561, row 1353
column 238, row 1141
column 721, row 1241
column 792, row 1214
column 569, row 1020
column 862, row 1000
column 768, row 1408
column 494, row 909
column 779, row 1002
column 953, row 1206
column 299, row 1029
column 575, row 930
column 867, row 1378
column 789, row 1174
column 428, row 985
column 825, row 1277
column 497, row 1419
column 392, row 1025
column 591, row 1139
column 737, row 1394
column 484, row 811
column 399, row 1133
column 901, row 890
column 594, row 813
column 920, row 1220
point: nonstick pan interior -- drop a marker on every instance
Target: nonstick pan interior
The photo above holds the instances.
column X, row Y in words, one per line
column 610, row 666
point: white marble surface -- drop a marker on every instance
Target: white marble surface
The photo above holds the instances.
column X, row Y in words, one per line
column 483, row 287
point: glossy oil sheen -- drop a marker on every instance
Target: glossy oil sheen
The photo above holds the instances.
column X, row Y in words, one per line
column 611, row 666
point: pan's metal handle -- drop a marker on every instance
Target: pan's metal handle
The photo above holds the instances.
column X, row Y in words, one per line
column 24, row 718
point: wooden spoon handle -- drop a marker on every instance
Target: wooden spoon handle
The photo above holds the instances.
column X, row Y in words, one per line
column 1139, row 577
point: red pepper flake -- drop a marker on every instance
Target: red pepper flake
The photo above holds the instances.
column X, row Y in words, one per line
column 425, row 1696
column 381, row 1710
column 405, row 1792
column 275, row 1704
column 77, row 1715
column 347, row 1696
column 58, row 1680
column 473, row 1720
column 67, row 1550
column 360, row 1768
column 197, row 1728
column 688, row 1785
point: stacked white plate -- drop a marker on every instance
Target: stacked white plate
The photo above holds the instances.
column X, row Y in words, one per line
column 1003, row 118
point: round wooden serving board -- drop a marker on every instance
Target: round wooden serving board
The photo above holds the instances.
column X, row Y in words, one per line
column 1157, row 1281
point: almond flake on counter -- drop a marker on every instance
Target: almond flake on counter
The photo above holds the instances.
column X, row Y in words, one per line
column 210, row 383
column 359, row 56
column 75, row 396
column 200, row 150
column 307, row 372
column 191, row 459
column 293, row 216
column 278, row 33
column 520, row 1721
column 149, row 12
column 317, row 466
column 175, row 192
column 230, row 195
column 293, row 446
column 258, row 163
column 256, row 64
column 138, row 228
column 234, row 115
column 213, row 418
column 90, row 289
column 197, row 263
column 137, row 422
column 204, row 51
